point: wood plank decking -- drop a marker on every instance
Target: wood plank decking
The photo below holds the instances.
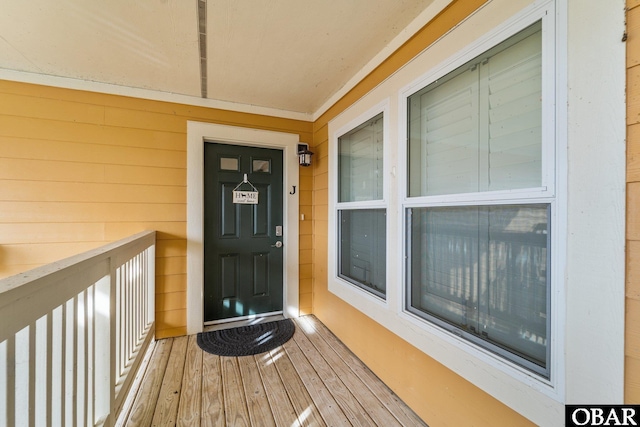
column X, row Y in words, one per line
column 312, row 380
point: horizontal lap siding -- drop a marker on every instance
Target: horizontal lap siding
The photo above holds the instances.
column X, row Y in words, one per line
column 632, row 330
column 305, row 240
column 79, row 169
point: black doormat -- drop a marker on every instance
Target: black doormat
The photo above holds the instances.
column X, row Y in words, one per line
column 247, row 340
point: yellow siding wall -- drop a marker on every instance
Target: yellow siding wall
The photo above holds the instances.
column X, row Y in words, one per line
column 632, row 339
column 306, row 239
column 438, row 395
column 80, row 169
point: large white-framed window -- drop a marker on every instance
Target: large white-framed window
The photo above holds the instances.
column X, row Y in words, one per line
column 359, row 204
column 480, row 200
column 585, row 295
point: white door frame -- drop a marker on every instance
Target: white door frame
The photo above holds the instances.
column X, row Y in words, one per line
column 197, row 134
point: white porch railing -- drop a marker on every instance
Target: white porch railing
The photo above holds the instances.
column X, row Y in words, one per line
column 72, row 335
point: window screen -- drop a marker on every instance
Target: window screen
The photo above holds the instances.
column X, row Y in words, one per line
column 484, row 269
column 362, row 251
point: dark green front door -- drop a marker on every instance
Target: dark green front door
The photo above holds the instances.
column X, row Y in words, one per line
column 243, row 254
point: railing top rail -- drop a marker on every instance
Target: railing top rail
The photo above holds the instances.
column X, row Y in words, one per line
column 59, row 270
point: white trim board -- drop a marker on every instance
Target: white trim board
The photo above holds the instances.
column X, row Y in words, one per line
column 140, row 93
column 197, row 134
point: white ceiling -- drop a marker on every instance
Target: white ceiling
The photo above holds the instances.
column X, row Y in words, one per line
column 289, row 55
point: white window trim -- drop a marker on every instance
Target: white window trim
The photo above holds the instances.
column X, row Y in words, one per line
column 346, row 290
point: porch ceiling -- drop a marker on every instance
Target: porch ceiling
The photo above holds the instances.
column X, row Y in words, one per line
column 292, row 55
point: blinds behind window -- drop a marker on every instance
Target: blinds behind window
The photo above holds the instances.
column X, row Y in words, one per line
column 484, row 269
column 450, row 133
column 361, row 161
column 480, row 126
column 363, row 248
column 515, row 115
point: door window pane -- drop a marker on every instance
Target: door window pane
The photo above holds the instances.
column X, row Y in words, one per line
column 261, row 166
column 479, row 128
column 360, row 160
column 484, row 270
column 229, row 163
column 362, row 251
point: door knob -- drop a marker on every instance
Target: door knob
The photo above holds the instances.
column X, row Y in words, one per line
column 277, row 245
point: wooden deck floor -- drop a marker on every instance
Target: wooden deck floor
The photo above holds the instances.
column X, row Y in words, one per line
column 312, row 380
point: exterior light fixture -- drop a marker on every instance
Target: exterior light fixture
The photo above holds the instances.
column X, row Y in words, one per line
column 304, row 155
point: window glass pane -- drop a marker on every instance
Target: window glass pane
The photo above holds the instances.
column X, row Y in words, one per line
column 479, row 127
column 360, row 154
column 261, row 166
column 362, row 252
column 229, row 163
column 484, row 270
column 514, row 98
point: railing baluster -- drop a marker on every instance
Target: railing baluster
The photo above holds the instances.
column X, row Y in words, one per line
column 141, row 309
column 57, row 366
column 118, row 325
column 31, row 349
column 145, row 287
column 10, row 380
column 70, row 356
column 22, row 377
column 136, row 315
column 139, row 323
column 41, row 360
column 103, row 383
column 129, row 312
column 127, row 316
column 91, row 358
column 124, row 312
column 80, row 365
column 134, row 302
column 86, row 348
column 49, row 371
column 4, row 391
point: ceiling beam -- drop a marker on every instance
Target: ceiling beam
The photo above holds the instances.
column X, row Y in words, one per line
column 202, row 43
